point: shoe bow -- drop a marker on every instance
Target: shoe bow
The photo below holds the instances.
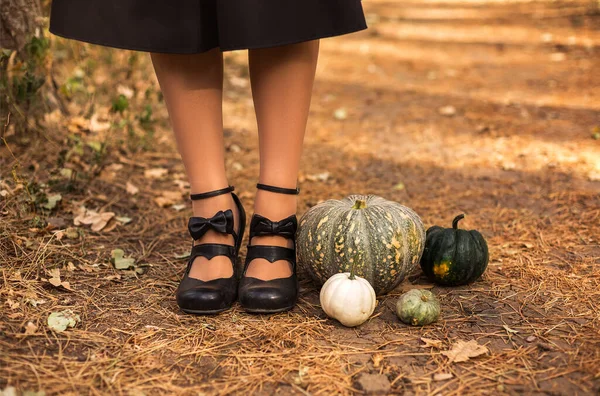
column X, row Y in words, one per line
column 261, row 226
column 221, row 222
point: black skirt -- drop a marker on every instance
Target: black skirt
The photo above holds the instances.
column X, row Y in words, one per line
column 193, row 26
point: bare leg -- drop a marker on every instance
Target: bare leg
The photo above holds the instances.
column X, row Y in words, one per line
column 282, row 80
column 192, row 86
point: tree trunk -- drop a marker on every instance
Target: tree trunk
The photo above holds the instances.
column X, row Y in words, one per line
column 19, row 20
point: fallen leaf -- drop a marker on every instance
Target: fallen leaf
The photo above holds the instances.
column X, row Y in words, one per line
column 123, row 219
column 72, row 233
column 56, row 281
column 131, row 189
column 33, row 302
column 507, row 165
column 594, row 176
column 60, row 320
column 77, row 123
column 323, row 176
column 447, row 111
column 30, row 328
column 98, row 126
column 155, row 173
column 340, row 114
column 238, row 81
column 399, row 186
column 182, row 184
column 234, row 148
column 52, row 201
column 377, row 358
column 431, row 343
column 119, row 260
column 462, row 351
column 12, row 304
column 179, row 208
column 90, row 217
column 125, row 91
column 168, row 198
column 442, row 376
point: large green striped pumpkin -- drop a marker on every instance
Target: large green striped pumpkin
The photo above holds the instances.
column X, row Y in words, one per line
column 382, row 239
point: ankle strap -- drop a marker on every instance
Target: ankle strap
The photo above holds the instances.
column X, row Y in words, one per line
column 210, row 194
column 280, row 190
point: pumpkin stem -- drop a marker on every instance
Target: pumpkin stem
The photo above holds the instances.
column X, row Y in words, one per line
column 424, row 298
column 456, row 220
column 359, row 204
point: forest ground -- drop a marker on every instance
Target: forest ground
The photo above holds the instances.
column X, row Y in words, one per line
column 487, row 108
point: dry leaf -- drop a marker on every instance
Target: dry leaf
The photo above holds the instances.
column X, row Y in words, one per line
column 447, row 111
column 72, row 233
column 52, row 201
column 234, row 148
column 119, row 260
column 155, row 173
column 168, row 198
column 12, row 304
column 77, row 123
column 238, row 81
column 112, row 225
column 377, row 358
column 59, row 321
column 98, row 126
column 131, row 189
column 59, row 235
column 340, row 114
column 182, row 184
column 324, row 176
column 90, row 217
column 431, row 343
column 56, row 281
column 442, row 376
column 30, row 328
column 125, row 91
column 462, row 351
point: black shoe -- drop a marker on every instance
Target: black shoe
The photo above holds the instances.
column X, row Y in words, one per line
column 276, row 295
column 199, row 297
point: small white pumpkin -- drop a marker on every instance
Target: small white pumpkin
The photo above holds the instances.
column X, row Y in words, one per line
column 348, row 298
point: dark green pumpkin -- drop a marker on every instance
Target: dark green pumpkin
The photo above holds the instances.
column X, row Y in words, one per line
column 454, row 257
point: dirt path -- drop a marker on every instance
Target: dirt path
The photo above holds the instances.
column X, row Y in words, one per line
column 484, row 108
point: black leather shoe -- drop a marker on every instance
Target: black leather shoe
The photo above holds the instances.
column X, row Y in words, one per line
column 199, row 297
column 276, row 295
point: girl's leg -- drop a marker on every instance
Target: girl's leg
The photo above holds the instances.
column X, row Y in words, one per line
column 192, row 86
column 282, row 80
